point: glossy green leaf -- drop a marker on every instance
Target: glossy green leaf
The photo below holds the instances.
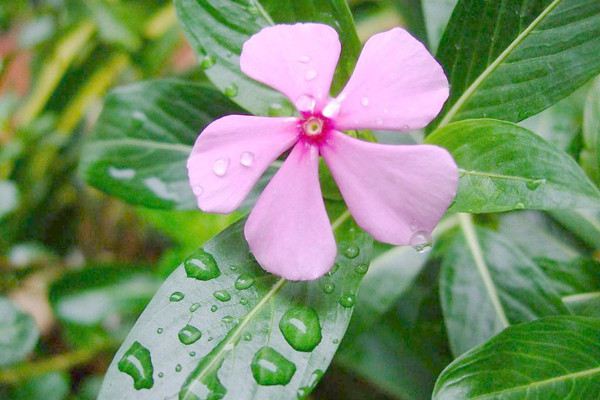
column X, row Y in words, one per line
column 9, row 197
column 583, row 223
column 141, row 142
column 436, row 14
column 505, row 167
column 18, row 333
column 553, row 358
column 590, row 156
column 511, row 59
column 487, row 284
column 101, row 300
column 217, row 30
column 220, row 326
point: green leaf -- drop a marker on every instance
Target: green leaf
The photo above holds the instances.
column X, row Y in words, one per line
column 583, row 223
column 590, row 156
column 101, row 300
column 220, row 326
column 511, row 59
column 505, row 167
column 18, row 333
column 487, row 284
column 51, row 386
column 553, row 358
column 217, row 30
column 9, row 197
column 143, row 137
column 436, row 14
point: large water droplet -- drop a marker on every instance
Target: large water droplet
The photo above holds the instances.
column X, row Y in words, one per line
column 301, row 328
column 176, row 296
column 202, row 266
column 244, row 281
column 362, row 268
column 310, row 74
column 231, row 90
column 351, row 251
column 421, row 241
column 207, row 62
column 194, row 307
column 304, row 59
column 533, row 185
column 271, row 368
column 304, row 391
column 305, row 103
column 247, row 159
column 222, row 295
column 137, row 363
column 189, row 334
column 220, row 166
column 347, row 300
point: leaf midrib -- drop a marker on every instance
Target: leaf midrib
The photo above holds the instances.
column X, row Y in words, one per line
column 494, row 65
column 496, row 176
column 531, row 385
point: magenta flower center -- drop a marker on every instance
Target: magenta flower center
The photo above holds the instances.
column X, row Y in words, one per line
column 314, row 128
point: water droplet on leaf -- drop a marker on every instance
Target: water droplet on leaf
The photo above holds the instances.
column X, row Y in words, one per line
column 207, row 62
column 176, row 296
column 328, row 287
column 231, row 90
column 202, row 266
column 189, row 334
column 244, row 281
column 271, row 368
column 421, row 241
column 301, row 328
column 222, row 295
column 351, row 251
column 214, row 308
column 533, row 185
column 362, row 269
column 159, row 331
column 304, row 391
column 178, row 368
column 247, row 337
column 137, row 363
column 194, row 307
column 347, row 300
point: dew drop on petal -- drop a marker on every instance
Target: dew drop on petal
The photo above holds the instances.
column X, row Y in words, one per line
column 421, row 241
column 306, row 103
column 310, row 74
column 220, row 166
column 364, row 101
column 198, row 190
column 246, row 159
column 304, row 59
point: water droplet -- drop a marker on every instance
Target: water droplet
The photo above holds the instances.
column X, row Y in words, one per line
column 310, row 74
column 362, row 269
column 203, row 382
column 244, row 281
column 194, row 307
column 247, row 336
column 189, row 334
column 124, row 174
column 347, row 300
column 159, row 331
column 351, row 251
column 222, row 295
column 214, row 308
column 519, row 206
column 246, row 159
column 306, row 103
column 202, row 266
column 271, row 368
column 231, row 90
column 160, row 374
column 301, row 328
column 137, row 363
column 178, row 368
column 533, row 185
column 304, row 391
column 333, row 269
column 421, row 241
column 228, row 319
column 192, row 354
column 210, row 339
column 220, row 166
column 379, row 121
column 233, row 267
column 176, row 296
column 335, row 341
column 198, row 190
column 364, row 101
column 328, row 287
column 332, row 109
column 207, row 62
column 304, row 59
column 243, row 301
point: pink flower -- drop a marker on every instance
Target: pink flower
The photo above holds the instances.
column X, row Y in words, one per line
column 396, row 193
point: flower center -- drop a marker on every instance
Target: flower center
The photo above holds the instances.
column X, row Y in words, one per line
column 313, row 126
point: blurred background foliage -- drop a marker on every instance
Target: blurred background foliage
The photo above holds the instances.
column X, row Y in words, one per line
column 77, row 267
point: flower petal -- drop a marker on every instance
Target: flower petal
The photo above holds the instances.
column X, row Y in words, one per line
column 288, row 230
column 396, row 85
column 231, row 154
column 297, row 60
column 396, row 193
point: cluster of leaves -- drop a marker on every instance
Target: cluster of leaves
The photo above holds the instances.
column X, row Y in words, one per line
column 505, row 306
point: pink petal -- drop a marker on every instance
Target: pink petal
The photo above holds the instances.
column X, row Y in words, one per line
column 396, row 193
column 231, row 154
column 297, row 60
column 396, row 85
column 288, row 230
